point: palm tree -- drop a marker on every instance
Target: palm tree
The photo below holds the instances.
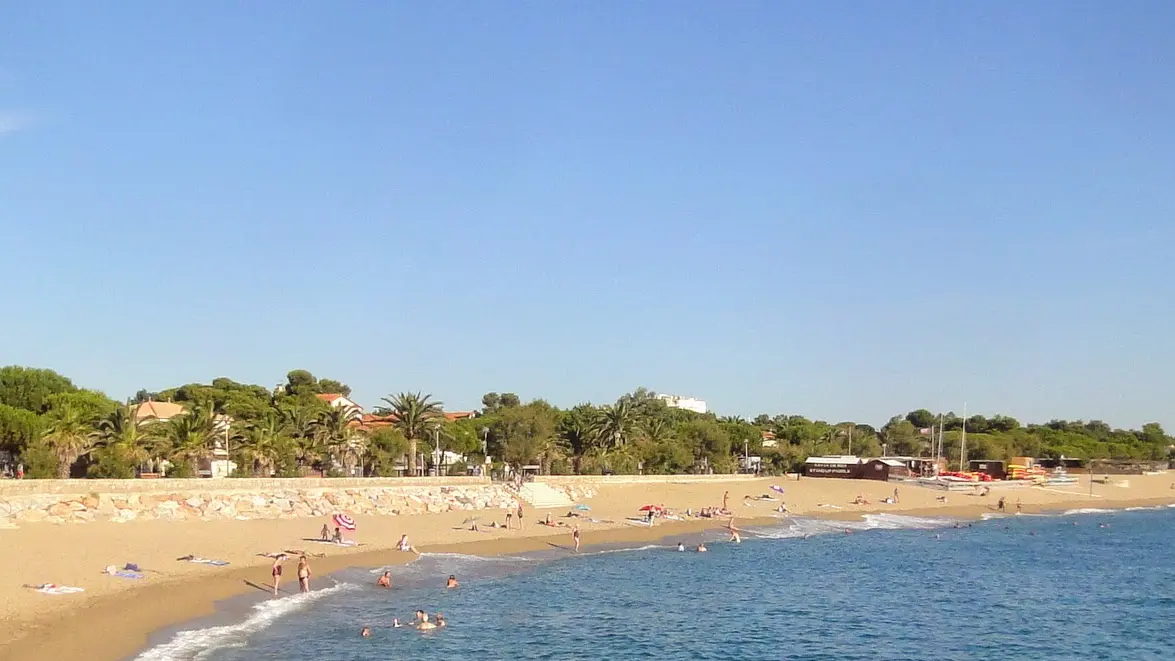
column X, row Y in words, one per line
column 416, row 415
column 190, row 437
column 332, row 429
column 614, row 425
column 655, row 430
column 68, row 437
column 262, row 442
column 122, row 434
column 300, row 424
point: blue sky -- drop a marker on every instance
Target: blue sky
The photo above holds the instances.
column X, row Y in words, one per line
column 845, row 210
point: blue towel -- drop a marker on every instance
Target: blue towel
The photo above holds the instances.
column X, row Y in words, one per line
column 127, row 574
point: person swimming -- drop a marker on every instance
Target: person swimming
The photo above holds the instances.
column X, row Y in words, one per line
column 422, row 622
column 452, row 582
column 680, row 546
column 701, row 547
column 385, row 581
column 440, row 618
column 366, row 633
column 396, row 623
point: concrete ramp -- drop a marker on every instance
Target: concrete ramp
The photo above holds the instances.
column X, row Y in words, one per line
column 542, row 496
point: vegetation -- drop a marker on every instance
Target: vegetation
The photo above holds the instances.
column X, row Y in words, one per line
column 55, row 429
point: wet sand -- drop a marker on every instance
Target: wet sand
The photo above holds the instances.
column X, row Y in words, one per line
column 113, row 618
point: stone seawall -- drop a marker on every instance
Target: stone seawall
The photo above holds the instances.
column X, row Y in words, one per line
column 69, row 501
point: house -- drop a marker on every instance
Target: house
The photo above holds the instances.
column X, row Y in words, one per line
column 769, row 440
column 337, row 400
column 158, row 411
column 687, row 403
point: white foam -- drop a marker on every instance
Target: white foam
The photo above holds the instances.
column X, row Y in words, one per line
column 196, row 643
column 903, row 522
column 646, row 547
column 1088, row 510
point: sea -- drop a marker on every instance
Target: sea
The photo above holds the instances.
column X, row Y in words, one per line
column 1084, row 584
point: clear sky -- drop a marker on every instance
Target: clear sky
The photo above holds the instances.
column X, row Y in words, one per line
column 845, row 210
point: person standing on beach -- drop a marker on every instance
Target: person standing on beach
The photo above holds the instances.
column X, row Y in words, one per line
column 276, row 572
column 725, row 499
column 895, row 495
column 509, row 518
column 304, row 574
column 575, row 537
column 520, row 515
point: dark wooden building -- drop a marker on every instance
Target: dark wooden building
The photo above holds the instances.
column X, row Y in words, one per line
column 845, row 467
column 884, row 469
column 996, row 468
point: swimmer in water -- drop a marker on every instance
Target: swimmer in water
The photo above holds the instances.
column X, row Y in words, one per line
column 452, row 582
column 366, row 633
column 680, row 546
column 734, row 537
column 422, row 622
column 440, row 618
column 385, row 581
column 396, row 623
column 701, row 548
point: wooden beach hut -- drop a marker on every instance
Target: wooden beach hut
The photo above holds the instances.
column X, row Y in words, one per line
column 884, row 469
column 843, row 466
column 997, row 469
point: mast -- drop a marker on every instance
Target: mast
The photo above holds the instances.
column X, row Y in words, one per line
column 963, row 441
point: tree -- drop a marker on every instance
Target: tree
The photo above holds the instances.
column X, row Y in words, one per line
column 614, row 425
column 331, row 386
column 300, row 382
column 386, row 446
column 415, row 415
column 29, row 388
column 19, row 428
column 121, row 445
column 264, row 442
column 529, row 433
column 188, row 438
column 333, row 430
column 921, row 418
column 68, row 437
column 509, row 400
column 491, row 402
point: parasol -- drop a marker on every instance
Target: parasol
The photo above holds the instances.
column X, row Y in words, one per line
column 345, row 522
column 646, row 508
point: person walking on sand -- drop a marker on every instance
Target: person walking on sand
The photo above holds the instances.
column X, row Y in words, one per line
column 304, row 574
column 575, row 537
column 276, row 572
column 1000, row 505
column 520, row 515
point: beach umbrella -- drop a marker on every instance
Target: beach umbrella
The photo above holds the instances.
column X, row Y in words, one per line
column 646, row 508
column 345, row 522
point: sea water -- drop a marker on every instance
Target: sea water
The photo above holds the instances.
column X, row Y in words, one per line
column 1092, row 585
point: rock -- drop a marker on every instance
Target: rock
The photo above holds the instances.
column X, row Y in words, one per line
column 193, row 502
column 91, row 501
column 59, row 510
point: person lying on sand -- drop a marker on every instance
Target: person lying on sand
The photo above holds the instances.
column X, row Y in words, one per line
column 385, row 581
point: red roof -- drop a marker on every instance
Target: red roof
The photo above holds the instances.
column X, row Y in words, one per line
column 329, row 397
column 374, row 421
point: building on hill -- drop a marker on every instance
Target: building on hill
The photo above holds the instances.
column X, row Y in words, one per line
column 158, row 411
column 687, row 403
column 337, row 400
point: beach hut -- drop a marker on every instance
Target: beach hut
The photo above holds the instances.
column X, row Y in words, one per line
column 884, row 469
column 997, row 469
column 840, row 466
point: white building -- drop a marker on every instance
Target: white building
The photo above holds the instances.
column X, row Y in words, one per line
column 687, row 403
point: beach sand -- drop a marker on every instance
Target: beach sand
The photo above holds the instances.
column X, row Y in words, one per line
column 113, row 617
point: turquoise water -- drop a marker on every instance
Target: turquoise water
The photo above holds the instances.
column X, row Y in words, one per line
column 897, row 588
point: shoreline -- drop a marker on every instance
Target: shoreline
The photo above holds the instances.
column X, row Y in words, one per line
column 141, row 614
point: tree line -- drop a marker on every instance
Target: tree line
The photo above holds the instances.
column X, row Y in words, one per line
column 54, row 428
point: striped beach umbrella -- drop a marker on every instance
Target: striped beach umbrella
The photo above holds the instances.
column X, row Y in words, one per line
column 345, row 522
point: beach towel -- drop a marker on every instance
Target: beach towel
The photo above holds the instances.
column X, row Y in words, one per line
column 202, row 561
column 776, row 488
column 50, row 588
column 121, row 573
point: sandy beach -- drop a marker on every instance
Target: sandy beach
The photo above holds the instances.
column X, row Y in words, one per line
column 113, row 617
